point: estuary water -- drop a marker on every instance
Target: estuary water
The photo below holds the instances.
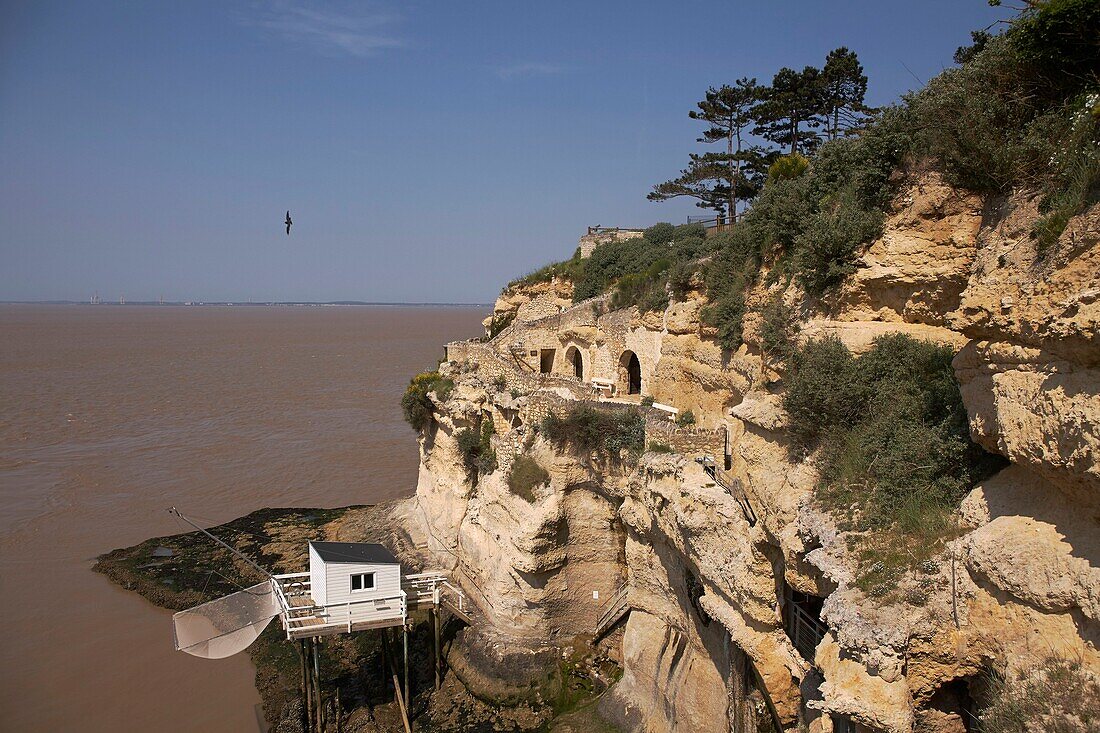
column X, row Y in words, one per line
column 109, row 415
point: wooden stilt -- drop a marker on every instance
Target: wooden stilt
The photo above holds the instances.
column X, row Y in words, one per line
column 385, row 654
column 317, row 689
column 405, row 653
column 435, row 625
column 396, row 682
column 306, row 695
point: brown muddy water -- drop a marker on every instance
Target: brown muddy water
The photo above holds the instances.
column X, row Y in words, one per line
column 110, row 414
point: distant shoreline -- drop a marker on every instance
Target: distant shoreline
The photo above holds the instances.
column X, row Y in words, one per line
column 235, row 304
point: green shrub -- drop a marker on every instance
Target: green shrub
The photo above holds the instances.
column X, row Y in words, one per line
column 891, row 422
column 524, row 475
column 655, row 447
column 1055, row 696
column 500, row 382
column 787, row 167
column 1010, row 115
column 416, row 405
column 660, row 233
column 681, row 279
column 588, row 429
column 567, row 269
column 726, row 315
column 826, row 249
column 648, row 259
column 647, row 401
column 894, row 443
column 1058, row 40
column 732, row 270
column 972, row 120
column 1075, row 182
column 642, row 290
column 500, row 322
column 476, row 448
column 777, row 216
column 778, row 330
column 823, row 390
column 685, row 419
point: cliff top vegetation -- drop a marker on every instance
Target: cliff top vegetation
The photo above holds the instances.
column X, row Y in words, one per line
column 1020, row 109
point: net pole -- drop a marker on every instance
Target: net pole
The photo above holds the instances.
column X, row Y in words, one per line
column 226, row 545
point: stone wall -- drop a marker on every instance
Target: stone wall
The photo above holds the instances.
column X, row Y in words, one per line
column 691, row 442
column 597, row 236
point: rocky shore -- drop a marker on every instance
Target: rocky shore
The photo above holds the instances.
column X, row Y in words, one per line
column 184, row 570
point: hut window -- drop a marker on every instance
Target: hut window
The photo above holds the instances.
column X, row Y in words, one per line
column 362, row 581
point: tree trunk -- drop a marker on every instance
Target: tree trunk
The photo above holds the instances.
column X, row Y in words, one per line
column 733, row 173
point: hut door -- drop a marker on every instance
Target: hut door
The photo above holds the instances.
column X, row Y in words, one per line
column 633, row 374
column 546, row 361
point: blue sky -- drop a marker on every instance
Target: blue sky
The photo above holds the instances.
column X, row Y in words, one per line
column 428, row 151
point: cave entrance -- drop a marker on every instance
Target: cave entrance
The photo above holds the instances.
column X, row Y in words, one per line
column 802, row 621
column 630, row 373
column 573, row 356
column 953, row 706
column 546, row 360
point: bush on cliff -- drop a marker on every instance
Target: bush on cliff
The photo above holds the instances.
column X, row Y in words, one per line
column 894, row 451
column 500, row 322
column 778, row 331
column 588, row 429
column 476, row 448
column 1056, row 696
column 810, row 228
column 643, row 289
column 566, row 269
column 1022, row 111
column 416, row 405
column 649, row 258
column 524, row 475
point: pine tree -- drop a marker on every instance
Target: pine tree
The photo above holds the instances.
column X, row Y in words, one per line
column 791, row 110
column 720, row 180
column 843, row 86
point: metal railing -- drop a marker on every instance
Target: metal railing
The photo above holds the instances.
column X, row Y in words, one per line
column 805, row 631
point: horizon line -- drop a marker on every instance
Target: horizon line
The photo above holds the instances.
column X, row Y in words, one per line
column 193, row 303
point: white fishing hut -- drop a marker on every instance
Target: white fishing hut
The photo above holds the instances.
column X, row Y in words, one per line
column 352, row 572
column 354, row 586
column 350, row 586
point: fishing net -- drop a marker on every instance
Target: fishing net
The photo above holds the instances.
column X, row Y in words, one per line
column 225, row 626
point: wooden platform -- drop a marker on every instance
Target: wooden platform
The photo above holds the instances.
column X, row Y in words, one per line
column 303, row 619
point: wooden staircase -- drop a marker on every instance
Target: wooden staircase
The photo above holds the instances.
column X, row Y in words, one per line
column 731, row 485
column 617, row 607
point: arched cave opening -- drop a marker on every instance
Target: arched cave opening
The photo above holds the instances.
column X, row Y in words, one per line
column 630, row 373
column 573, row 356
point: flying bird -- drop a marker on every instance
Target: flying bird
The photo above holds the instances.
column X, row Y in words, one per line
column 288, row 222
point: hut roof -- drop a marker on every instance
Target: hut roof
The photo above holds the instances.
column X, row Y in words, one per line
column 353, row 552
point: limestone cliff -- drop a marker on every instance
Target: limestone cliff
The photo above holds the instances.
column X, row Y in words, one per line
column 715, row 565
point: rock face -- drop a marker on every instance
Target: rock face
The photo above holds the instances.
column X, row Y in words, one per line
column 714, row 567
